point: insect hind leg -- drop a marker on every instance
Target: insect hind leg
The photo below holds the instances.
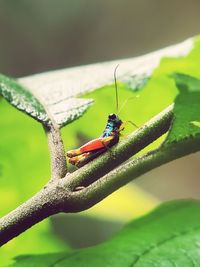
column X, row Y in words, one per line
column 76, row 160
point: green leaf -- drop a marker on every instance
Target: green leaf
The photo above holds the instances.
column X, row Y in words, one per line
column 54, row 96
column 169, row 236
column 22, row 99
column 45, row 107
column 196, row 123
column 186, row 109
column 60, row 90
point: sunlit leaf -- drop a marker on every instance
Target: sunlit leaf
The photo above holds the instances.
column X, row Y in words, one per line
column 196, row 123
column 186, row 109
column 165, row 237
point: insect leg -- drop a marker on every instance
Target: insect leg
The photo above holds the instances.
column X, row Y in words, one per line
column 77, row 159
column 73, row 153
column 125, row 123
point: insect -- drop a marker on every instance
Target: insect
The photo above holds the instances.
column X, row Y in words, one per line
column 109, row 137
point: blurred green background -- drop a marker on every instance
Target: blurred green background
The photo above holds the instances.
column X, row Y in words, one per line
column 48, row 34
column 43, row 35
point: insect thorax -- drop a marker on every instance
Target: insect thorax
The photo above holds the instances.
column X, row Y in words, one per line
column 112, row 126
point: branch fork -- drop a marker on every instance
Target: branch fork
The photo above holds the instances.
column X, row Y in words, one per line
column 96, row 180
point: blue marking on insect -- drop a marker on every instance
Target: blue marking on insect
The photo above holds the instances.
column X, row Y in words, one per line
column 112, row 126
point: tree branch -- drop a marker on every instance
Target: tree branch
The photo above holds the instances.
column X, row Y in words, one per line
column 127, row 172
column 58, row 194
column 125, row 149
column 45, row 203
column 57, row 153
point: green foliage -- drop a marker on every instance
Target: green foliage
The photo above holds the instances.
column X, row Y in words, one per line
column 186, row 109
column 44, row 108
column 165, row 237
column 196, row 123
column 21, row 98
column 21, row 161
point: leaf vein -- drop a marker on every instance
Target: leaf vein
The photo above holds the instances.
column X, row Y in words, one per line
column 149, row 250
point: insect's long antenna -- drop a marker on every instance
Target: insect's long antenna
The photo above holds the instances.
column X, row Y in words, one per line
column 116, row 89
column 125, row 102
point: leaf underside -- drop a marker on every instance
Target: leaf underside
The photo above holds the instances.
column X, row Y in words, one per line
column 60, row 91
column 21, row 98
column 43, row 110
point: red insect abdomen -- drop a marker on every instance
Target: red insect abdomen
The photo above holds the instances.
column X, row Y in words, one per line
column 92, row 145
